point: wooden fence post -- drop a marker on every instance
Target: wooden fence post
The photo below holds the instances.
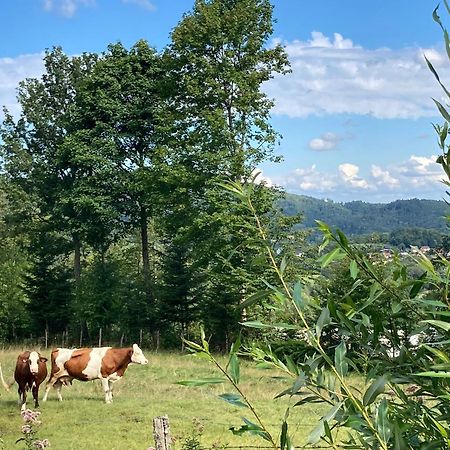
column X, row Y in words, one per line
column 161, row 433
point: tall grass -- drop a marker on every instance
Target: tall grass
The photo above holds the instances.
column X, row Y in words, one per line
column 83, row 420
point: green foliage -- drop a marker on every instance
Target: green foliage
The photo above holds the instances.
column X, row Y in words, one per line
column 357, row 217
column 118, row 155
column 370, row 318
column 216, row 64
column 407, row 237
column 223, row 44
column 13, row 268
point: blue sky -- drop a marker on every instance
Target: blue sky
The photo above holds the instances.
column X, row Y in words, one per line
column 355, row 113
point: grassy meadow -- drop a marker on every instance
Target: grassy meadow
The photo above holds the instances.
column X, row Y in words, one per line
column 83, row 421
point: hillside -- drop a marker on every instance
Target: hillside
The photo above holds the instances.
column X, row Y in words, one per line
column 358, row 217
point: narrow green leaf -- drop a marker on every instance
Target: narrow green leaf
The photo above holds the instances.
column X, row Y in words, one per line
column 327, row 430
column 276, row 326
column 440, row 366
column 255, row 324
column 193, row 345
column 319, row 430
column 342, row 239
column 433, row 71
column 251, row 428
column 201, row 381
column 442, row 110
column 345, row 321
column 353, row 269
column 434, row 374
column 292, row 367
column 382, row 421
column 252, row 299
column 324, row 244
column 235, row 347
column 375, row 389
column 297, row 296
column 233, row 399
column 326, row 259
column 323, row 227
column 309, row 399
column 446, row 6
column 284, row 435
column 417, row 286
column 283, row 265
column 234, row 368
column 340, row 361
column 323, row 320
column 439, row 353
column 438, row 324
column 399, row 442
column 430, row 303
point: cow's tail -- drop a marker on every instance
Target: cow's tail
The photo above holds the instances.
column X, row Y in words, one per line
column 5, row 384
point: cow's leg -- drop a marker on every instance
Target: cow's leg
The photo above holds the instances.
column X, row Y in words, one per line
column 110, row 390
column 106, row 389
column 35, row 391
column 58, row 386
column 22, row 391
column 56, row 383
column 48, row 386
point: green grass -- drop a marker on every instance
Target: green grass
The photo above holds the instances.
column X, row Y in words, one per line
column 83, row 420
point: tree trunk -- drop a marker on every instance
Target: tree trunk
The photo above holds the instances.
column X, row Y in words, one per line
column 77, row 260
column 145, row 255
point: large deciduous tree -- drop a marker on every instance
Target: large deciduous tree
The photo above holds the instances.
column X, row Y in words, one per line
column 220, row 59
column 51, row 158
column 217, row 61
column 121, row 106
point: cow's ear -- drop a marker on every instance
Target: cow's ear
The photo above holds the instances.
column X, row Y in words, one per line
column 43, row 359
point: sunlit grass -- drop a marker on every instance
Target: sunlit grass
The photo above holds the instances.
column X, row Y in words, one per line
column 84, row 421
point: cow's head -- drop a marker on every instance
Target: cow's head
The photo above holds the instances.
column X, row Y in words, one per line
column 33, row 361
column 137, row 356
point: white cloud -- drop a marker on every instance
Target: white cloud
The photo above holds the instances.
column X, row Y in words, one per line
column 145, row 4
column 335, row 76
column 327, row 141
column 66, row 8
column 419, row 176
column 308, row 181
column 12, row 71
column 420, row 171
column 383, row 178
column 348, row 171
column 349, row 174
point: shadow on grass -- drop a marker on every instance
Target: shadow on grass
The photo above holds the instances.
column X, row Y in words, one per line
column 10, row 403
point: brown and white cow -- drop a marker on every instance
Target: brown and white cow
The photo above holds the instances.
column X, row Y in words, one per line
column 30, row 372
column 107, row 364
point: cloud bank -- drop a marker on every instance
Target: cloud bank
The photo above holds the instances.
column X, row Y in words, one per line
column 335, row 76
column 330, row 76
column 418, row 176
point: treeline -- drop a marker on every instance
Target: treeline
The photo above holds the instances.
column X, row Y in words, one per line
column 400, row 223
column 113, row 219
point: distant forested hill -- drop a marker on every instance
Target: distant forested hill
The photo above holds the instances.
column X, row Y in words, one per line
column 361, row 218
